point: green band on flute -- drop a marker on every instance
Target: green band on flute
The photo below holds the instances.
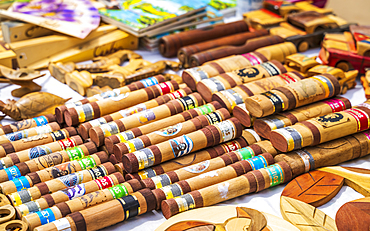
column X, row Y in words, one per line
column 276, row 174
column 245, row 153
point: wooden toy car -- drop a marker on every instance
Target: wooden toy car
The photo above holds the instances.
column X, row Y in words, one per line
column 365, row 81
column 306, row 29
column 346, row 50
column 276, row 11
column 347, row 80
column 301, row 63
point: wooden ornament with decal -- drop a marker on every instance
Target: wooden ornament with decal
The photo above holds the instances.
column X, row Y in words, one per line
column 116, row 210
column 294, row 95
column 52, row 199
column 27, row 123
column 26, row 194
column 235, row 40
column 84, row 128
column 62, row 209
column 246, row 139
column 34, row 141
column 224, row 51
column 89, row 111
column 327, row 154
column 321, row 129
column 250, row 182
column 11, row 137
column 50, row 173
column 163, row 192
column 170, row 132
column 129, row 134
column 177, row 147
column 264, row 126
column 228, row 80
column 59, row 111
column 203, row 167
column 55, row 153
column 97, row 134
column 216, row 67
column 231, row 98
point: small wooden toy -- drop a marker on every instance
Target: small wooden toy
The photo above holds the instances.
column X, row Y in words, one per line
column 365, row 81
column 354, row 215
column 32, row 105
column 301, row 63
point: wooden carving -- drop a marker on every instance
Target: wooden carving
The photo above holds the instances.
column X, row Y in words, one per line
column 223, row 218
column 32, row 105
column 356, row 178
column 354, row 215
column 79, row 81
column 315, row 188
column 23, row 77
column 305, row 216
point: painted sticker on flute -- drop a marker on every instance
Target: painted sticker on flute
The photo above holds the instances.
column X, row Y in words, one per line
column 71, row 179
column 170, row 130
column 198, row 168
column 331, row 119
column 181, row 145
column 75, row 191
column 246, row 73
column 146, row 116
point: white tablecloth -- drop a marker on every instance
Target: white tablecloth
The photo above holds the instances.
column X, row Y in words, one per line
column 266, row 201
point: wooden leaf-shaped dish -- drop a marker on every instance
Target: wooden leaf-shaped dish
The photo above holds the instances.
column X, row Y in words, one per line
column 354, row 215
column 225, row 218
column 356, row 178
column 305, row 216
column 315, row 188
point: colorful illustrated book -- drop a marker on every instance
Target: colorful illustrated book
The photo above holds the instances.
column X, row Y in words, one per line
column 72, row 17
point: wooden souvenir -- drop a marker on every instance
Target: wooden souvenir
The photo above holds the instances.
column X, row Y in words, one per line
column 7, row 58
column 32, row 193
column 203, row 167
column 253, row 181
column 7, row 212
column 31, row 105
column 321, row 129
column 293, row 95
column 160, row 124
column 79, row 81
column 23, row 77
column 30, row 51
column 236, row 218
column 100, row 46
column 278, row 51
column 231, row 98
column 67, row 151
column 246, row 139
column 192, row 76
column 117, row 210
column 20, row 225
column 52, row 199
column 59, row 111
column 62, row 209
column 97, row 134
column 54, row 172
column 170, row 44
column 177, row 147
column 170, row 132
column 14, row 31
column 85, row 127
column 207, row 87
column 234, row 40
column 11, row 137
column 166, row 191
column 356, row 178
column 96, row 90
column 305, row 216
column 34, row 141
column 354, row 215
column 27, row 123
column 93, row 110
column 315, row 187
column 347, row 80
column 301, row 63
column 365, row 81
column 339, row 50
column 224, row 51
column 327, row 154
column 264, row 126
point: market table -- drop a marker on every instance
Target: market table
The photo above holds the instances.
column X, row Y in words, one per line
column 266, row 201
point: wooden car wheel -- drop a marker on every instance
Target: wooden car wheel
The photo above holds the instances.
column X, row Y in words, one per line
column 344, row 65
column 344, row 89
column 367, row 53
column 303, row 46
